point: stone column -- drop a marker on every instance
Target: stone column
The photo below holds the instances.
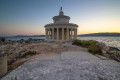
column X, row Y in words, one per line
column 57, row 33
column 52, row 33
column 62, row 33
column 46, row 34
column 3, row 64
column 49, row 33
column 68, row 33
column 75, row 34
column 71, row 33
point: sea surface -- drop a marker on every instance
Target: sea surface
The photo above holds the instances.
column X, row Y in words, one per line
column 109, row 41
column 25, row 38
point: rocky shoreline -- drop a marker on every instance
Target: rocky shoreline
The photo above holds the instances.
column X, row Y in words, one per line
column 110, row 52
column 99, row 48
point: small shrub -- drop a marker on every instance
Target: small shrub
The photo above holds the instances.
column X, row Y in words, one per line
column 84, row 43
column 95, row 49
column 2, row 39
column 110, row 53
column 22, row 51
column 90, row 44
column 29, row 53
column 77, row 42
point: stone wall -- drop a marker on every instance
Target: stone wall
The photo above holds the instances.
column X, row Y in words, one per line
column 3, row 64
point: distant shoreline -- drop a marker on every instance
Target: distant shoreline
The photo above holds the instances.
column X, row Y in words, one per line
column 101, row 35
column 44, row 36
column 83, row 35
column 98, row 36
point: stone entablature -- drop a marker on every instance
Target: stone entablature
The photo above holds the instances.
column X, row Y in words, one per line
column 61, row 24
column 61, row 29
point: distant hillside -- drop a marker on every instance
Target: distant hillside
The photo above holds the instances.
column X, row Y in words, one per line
column 100, row 34
column 30, row 36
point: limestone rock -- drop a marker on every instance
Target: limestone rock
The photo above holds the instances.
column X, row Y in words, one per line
column 113, row 49
column 2, row 39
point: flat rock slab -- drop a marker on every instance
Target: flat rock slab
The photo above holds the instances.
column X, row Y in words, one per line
column 77, row 55
column 68, row 69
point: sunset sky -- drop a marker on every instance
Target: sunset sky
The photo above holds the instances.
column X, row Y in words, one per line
column 28, row 17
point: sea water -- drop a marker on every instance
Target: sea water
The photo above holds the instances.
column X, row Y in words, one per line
column 25, row 38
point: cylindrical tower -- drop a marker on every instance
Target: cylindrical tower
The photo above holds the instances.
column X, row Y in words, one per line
column 61, row 29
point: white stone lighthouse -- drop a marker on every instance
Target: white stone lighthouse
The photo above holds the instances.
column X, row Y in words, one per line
column 61, row 29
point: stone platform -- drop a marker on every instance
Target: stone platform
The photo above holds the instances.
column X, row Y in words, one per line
column 78, row 55
column 66, row 69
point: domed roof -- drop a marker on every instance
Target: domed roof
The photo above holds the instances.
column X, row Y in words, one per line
column 61, row 15
column 61, row 20
column 57, row 17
